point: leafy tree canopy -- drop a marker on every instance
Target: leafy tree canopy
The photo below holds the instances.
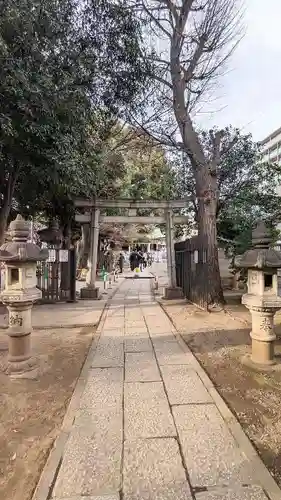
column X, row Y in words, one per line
column 66, row 69
column 247, row 188
column 147, row 173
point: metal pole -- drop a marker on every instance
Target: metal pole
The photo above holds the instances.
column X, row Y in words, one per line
column 173, row 255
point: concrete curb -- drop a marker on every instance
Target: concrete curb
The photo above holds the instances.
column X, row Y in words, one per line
column 59, row 326
column 266, row 480
column 50, row 471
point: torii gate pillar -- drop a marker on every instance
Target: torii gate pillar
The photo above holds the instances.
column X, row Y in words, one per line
column 91, row 291
column 172, row 291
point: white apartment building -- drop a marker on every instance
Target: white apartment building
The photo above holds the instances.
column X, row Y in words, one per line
column 271, row 147
column 271, row 152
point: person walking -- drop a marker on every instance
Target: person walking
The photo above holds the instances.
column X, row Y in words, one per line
column 145, row 259
column 141, row 260
column 121, row 262
column 134, row 260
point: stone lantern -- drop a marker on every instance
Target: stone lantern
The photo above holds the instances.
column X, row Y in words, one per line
column 20, row 292
column 262, row 298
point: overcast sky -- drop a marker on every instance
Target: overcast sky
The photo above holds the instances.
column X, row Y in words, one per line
column 250, row 93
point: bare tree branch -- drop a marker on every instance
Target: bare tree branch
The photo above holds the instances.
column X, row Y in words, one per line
column 199, row 37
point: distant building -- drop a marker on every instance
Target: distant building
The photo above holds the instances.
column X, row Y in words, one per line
column 271, row 147
column 271, row 152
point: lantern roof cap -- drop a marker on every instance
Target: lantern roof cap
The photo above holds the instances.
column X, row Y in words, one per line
column 261, row 256
column 19, row 249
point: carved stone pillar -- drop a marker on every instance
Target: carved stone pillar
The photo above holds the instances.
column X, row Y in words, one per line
column 91, row 291
column 20, row 292
column 262, row 335
column 171, row 291
column 262, row 299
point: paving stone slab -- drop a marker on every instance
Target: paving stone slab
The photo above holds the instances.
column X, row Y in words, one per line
column 139, row 323
column 210, row 452
column 137, row 343
column 127, row 319
column 109, row 352
column 114, row 323
column 141, row 367
column 156, row 329
column 151, row 312
column 159, row 323
column 235, row 493
column 116, row 334
column 136, row 331
column 169, row 352
column 116, row 311
column 92, row 458
column 183, row 385
column 153, row 471
column 147, row 412
column 104, row 388
column 101, row 421
column 133, row 315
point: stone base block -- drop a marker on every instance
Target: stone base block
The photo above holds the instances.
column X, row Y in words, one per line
column 263, row 352
column 90, row 293
column 171, row 293
column 258, row 367
column 27, row 369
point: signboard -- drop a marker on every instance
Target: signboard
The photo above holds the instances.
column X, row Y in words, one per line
column 52, row 255
column 63, row 255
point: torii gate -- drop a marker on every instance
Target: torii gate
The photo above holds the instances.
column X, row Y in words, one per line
column 93, row 217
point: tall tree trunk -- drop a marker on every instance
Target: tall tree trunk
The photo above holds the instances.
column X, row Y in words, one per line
column 3, row 223
column 206, row 190
column 205, row 177
column 7, row 193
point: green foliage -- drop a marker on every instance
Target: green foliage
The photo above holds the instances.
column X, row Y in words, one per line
column 149, row 174
column 247, row 189
column 67, row 69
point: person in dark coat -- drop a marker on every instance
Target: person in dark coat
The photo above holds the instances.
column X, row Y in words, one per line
column 134, row 260
column 121, row 262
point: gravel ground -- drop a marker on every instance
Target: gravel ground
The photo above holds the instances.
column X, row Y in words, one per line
column 32, row 410
column 219, row 341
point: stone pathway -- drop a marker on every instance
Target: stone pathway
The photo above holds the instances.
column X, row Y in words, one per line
column 148, row 427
